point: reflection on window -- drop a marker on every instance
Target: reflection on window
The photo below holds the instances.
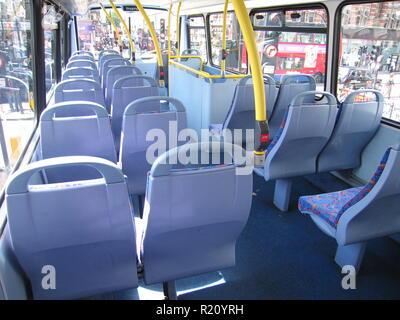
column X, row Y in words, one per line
column 284, row 52
column 97, row 34
column 197, row 36
column 17, row 108
column 369, row 52
column 237, row 56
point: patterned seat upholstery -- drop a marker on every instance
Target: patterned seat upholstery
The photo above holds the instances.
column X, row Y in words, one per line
column 331, row 206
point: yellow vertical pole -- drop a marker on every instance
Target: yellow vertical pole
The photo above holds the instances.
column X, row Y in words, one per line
column 155, row 40
column 113, row 25
column 126, row 30
column 169, row 29
column 258, row 80
column 224, row 52
column 178, row 30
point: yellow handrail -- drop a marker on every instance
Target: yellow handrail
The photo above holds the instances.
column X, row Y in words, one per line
column 258, row 81
column 178, row 30
column 113, row 25
column 126, row 30
column 155, row 41
column 224, row 52
column 204, row 74
column 169, row 29
column 189, row 57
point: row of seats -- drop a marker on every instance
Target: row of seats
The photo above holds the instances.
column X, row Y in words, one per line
column 82, row 213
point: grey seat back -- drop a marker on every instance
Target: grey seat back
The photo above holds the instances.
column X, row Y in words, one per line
column 125, row 91
column 356, row 125
column 140, row 117
column 111, row 64
column 80, row 73
column 81, row 57
column 115, row 74
column 290, row 87
column 82, row 233
column 302, row 136
column 194, row 214
column 75, row 129
column 108, row 52
column 241, row 114
column 82, row 64
column 375, row 212
column 83, row 53
column 105, row 58
column 79, row 90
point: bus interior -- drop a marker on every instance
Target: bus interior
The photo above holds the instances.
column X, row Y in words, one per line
column 199, row 150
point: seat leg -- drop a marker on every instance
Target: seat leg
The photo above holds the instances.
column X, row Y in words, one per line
column 170, row 290
column 283, row 189
column 351, row 254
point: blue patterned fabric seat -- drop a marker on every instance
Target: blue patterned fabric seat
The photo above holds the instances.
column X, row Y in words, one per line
column 331, row 206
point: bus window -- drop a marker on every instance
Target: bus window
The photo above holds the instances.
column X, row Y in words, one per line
column 369, row 52
column 49, row 30
column 96, row 33
column 237, row 57
column 17, row 109
column 197, row 35
column 284, row 49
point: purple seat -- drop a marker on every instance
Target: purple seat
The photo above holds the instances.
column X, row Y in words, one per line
column 115, row 74
column 75, row 129
column 140, row 117
column 357, row 215
column 80, row 73
column 111, row 63
column 194, row 213
column 79, row 90
column 125, row 91
column 82, row 230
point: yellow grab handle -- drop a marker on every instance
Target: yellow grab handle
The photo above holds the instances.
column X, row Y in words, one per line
column 155, row 41
column 126, row 29
column 113, row 25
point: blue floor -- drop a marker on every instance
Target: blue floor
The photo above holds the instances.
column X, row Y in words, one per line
column 285, row 256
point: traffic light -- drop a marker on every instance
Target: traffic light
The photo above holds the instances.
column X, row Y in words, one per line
column 162, row 26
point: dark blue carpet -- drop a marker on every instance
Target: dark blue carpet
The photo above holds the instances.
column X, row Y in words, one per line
column 285, row 256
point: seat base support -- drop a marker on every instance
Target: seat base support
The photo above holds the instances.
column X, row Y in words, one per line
column 170, row 290
column 351, row 254
column 283, row 189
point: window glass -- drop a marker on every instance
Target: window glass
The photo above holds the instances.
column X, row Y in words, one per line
column 97, row 34
column 237, row 57
column 283, row 51
column 49, row 26
column 17, row 109
column 370, row 52
column 197, row 36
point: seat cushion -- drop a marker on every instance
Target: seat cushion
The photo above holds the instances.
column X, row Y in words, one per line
column 328, row 206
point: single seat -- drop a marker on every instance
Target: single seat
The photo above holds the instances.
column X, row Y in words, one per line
column 241, row 115
column 357, row 123
column 81, row 57
column 140, row 117
column 290, row 87
column 79, row 90
column 81, row 232
column 192, row 62
column 75, row 129
column 304, row 132
column 83, row 53
column 111, row 64
column 105, row 58
column 82, row 64
column 115, row 74
column 357, row 215
column 125, row 91
column 194, row 213
column 80, row 73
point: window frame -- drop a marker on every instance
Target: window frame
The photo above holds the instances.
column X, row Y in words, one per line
column 188, row 28
column 336, row 51
column 318, row 5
